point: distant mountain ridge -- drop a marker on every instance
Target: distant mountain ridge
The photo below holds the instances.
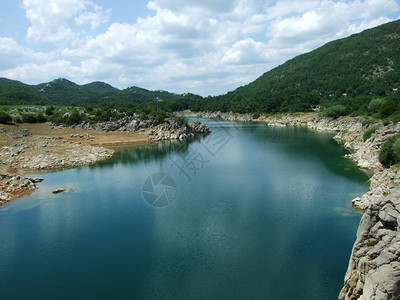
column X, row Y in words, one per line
column 349, row 71
column 63, row 91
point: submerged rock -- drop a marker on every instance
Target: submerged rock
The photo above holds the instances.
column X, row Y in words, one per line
column 57, row 191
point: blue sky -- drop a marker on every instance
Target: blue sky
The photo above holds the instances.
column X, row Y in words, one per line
column 207, row 47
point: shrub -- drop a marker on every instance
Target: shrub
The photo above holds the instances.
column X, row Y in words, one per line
column 17, row 120
column 50, row 110
column 41, row 118
column 369, row 133
column 334, row 111
column 375, row 105
column 388, row 108
column 180, row 120
column 29, row 118
column 5, row 117
column 390, row 151
column 368, row 121
column 161, row 115
column 73, row 119
column 56, row 119
column 256, row 115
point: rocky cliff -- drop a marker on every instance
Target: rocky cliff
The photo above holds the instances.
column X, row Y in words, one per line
column 374, row 266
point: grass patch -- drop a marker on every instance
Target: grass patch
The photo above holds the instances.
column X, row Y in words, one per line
column 368, row 121
column 369, row 133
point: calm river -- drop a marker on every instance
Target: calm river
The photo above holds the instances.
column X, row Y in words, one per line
column 248, row 212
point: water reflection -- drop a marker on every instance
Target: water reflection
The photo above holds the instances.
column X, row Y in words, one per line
column 271, row 207
column 156, row 151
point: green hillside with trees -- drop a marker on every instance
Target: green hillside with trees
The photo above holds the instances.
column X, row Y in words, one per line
column 64, row 92
column 357, row 75
column 349, row 72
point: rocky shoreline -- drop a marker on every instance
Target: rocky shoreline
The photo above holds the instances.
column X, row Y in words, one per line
column 26, row 152
column 374, row 267
column 157, row 131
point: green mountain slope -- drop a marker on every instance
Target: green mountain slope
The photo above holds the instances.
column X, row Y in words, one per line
column 362, row 65
column 142, row 95
column 100, row 88
column 63, row 92
column 5, row 82
column 13, row 95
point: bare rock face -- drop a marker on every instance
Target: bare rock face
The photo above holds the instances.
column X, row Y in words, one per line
column 44, row 155
column 374, row 267
column 171, row 130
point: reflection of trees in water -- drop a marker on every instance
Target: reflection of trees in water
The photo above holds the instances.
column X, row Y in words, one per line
column 154, row 152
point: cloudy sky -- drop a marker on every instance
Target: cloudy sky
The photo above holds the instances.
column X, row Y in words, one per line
column 207, row 47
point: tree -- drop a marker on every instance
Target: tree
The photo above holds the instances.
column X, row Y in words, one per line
column 390, row 151
column 335, row 111
column 375, row 105
column 388, row 108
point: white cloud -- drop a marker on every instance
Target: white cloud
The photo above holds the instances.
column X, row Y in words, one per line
column 42, row 72
column 302, row 29
column 206, row 47
column 209, row 6
column 50, row 19
column 94, row 18
column 13, row 54
column 10, row 52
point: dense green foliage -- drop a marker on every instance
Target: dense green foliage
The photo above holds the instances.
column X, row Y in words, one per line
column 12, row 95
column 5, row 117
column 335, row 111
column 390, row 151
column 33, row 118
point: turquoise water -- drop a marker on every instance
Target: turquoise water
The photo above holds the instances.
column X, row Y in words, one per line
column 255, row 213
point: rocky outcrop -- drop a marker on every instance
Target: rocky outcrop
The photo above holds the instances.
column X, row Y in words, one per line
column 39, row 155
column 174, row 131
column 165, row 130
column 16, row 134
column 14, row 186
column 374, row 267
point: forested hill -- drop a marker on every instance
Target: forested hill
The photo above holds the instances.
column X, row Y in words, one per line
column 364, row 64
column 64, row 92
column 346, row 73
